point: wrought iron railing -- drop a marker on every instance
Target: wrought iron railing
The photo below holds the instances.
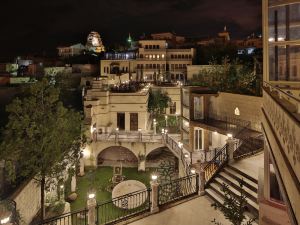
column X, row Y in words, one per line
column 214, row 165
column 72, row 218
column 249, row 146
column 178, row 189
column 123, row 207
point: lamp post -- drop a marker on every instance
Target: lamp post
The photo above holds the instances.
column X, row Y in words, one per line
column 166, row 119
column 117, row 134
column 154, row 197
column 91, row 206
column 154, row 126
column 8, row 213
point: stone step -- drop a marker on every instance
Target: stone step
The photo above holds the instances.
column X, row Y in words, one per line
column 238, row 177
column 253, row 206
column 236, row 169
column 225, row 178
column 218, row 198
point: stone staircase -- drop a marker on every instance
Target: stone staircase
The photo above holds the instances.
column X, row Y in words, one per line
column 232, row 176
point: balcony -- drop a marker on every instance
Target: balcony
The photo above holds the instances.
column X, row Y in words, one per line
column 281, row 126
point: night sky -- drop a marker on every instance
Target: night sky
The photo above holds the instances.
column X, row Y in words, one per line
column 41, row 25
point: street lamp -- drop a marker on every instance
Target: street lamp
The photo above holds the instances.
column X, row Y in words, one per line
column 166, row 118
column 154, row 177
column 193, row 171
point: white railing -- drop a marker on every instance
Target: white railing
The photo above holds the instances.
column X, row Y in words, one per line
column 129, row 137
column 178, row 149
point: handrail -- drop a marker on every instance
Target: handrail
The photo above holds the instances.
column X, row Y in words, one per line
column 177, row 150
column 215, row 164
column 295, row 101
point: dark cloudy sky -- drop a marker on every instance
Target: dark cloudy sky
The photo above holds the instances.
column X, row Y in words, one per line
column 41, row 25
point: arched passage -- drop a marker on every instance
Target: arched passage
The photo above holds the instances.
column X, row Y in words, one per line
column 114, row 155
column 158, row 155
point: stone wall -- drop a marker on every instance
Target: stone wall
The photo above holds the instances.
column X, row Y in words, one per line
column 28, row 198
column 249, row 107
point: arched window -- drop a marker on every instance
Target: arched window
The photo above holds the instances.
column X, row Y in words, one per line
column 237, row 111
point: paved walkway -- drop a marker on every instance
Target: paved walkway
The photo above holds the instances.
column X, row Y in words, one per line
column 251, row 165
column 194, row 212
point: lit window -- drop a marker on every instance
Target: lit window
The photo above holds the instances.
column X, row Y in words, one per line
column 237, row 111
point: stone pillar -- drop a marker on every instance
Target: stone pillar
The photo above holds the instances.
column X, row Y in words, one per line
column 154, row 196
column 142, row 165
column 73, row 184
column 81, row 167
column 91, row 206
column 201, row 178
column 232, row 145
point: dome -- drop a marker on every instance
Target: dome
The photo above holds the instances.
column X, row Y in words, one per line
column 94, row 42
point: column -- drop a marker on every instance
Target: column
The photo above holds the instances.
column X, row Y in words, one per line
column 154, row 126
column 73, row 184
column 91, row 206
column 142, row 165
column 154, row 196
column 201, row 178
column 232, row 143
column 81, row 167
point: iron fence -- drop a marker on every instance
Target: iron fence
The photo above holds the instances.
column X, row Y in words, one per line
column 72, row 218
column 123, row 207
column 214, row 165
column 178, row 189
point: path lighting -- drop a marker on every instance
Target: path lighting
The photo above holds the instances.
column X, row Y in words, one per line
column 229, row 136
column 117, row 129
column 92, row 195
column 162, row 131
column 215, row 132
column 154, row 177
column 140, row 130
column 193, row 171
column 180, row 144
column 166, row 131
column 61, row 186
column 186, row 155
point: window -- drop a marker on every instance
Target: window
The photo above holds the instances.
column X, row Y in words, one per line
column 146, row 46
column 237, row 111
column 173, row 108
column 198, row 143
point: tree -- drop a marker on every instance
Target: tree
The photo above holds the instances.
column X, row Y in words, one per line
column 42, row 138
column 157, row 102
column 234, row 207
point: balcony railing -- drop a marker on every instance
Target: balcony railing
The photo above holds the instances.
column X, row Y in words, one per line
column 132, row 136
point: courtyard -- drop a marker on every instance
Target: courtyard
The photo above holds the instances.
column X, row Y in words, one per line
column 99, row 181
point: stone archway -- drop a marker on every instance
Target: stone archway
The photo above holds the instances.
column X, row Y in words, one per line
column 115, row 155
column 156, row 156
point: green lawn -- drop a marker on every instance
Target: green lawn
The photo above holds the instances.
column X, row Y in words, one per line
column 99, row 179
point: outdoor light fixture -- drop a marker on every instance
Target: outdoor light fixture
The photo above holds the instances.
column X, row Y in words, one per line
column 166, row 117
column 61, row 186
column 215, row 132
column 186, row 155
column 154, row 177
column 154, row 120
column 5, row 220
column 117, row 129
column 166, row 131
column 140, row 130
column 229, row 135
column 193, row 171
column 92, row 195
column 180, row 144
column 162, row 131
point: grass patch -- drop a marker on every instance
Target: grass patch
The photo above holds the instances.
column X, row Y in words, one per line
column 99, row 179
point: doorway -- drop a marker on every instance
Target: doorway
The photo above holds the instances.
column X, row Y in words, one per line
column 121, row 121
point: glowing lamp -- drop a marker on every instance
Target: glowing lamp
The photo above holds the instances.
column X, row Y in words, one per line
column 193, row 171
column 92, row 195
column 154, row 177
